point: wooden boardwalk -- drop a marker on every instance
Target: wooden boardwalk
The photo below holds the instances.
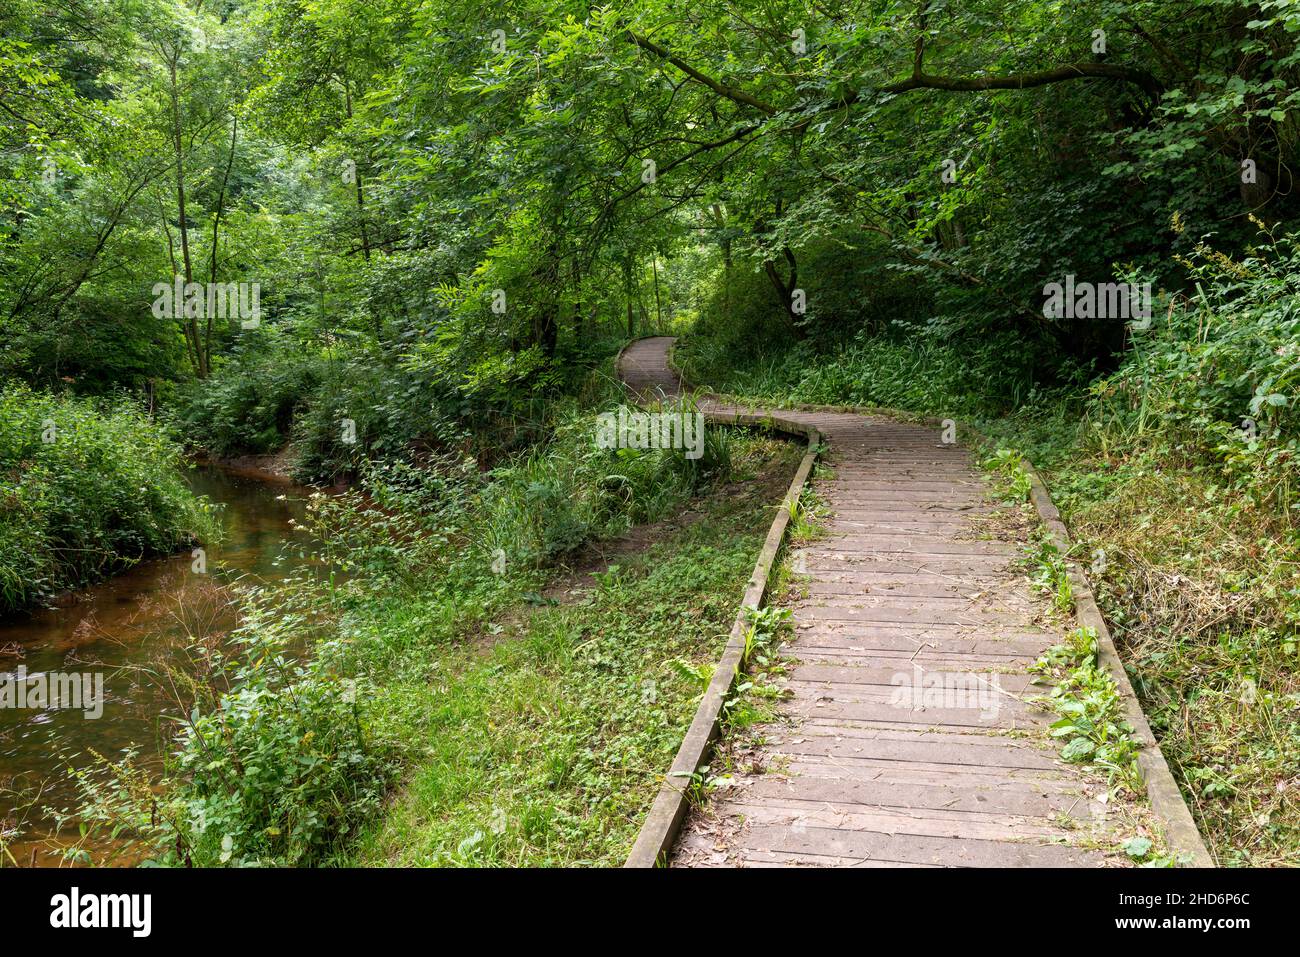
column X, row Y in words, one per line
column 905, row 739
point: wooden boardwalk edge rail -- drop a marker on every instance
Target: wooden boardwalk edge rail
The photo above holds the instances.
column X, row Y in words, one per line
column 1163, row 793
column 663, row 822
column 659, row 830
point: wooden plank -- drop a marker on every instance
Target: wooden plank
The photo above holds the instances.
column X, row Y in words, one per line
column 920, row 748
column 1013, row 716
column 1018, row 797
column 839, row 767
column 925, row 655
column 964, row 826
column 888, row 676
column 952, row 639
column 845, row 608
column 914, row 849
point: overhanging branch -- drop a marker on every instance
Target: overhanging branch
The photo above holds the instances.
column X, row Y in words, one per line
column 920, row 80
column 728, row 92
column 1024, row 81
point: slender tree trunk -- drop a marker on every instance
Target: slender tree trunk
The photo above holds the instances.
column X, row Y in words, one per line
column 201, row 346
column 361, row 195
column 216, row 233
column 547, row 332
column 190, row 344
column 221, row 200
column 785, row 290
column 724, row 241
column 579, row 332
column 659, row 318
column 627, row 293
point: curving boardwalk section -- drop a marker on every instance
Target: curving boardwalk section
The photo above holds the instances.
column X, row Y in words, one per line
column 905, row 739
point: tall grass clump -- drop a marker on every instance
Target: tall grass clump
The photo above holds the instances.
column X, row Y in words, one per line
column 552, row 500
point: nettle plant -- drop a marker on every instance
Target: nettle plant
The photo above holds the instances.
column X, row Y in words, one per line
column 1091, row 723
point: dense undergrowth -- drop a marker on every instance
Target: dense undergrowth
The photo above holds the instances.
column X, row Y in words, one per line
column 548, row 747
column 86, row 489
column 273, row 395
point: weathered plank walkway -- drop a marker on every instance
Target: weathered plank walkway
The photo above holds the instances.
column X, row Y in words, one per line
column 905, row 740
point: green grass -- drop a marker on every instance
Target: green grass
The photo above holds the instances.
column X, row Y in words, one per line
column 919, row 376
column 1199, row 587
column 548, row 747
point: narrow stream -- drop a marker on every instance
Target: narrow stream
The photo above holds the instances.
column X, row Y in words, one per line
column 123, row 629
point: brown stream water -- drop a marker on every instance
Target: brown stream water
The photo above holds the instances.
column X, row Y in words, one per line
column 122, row 630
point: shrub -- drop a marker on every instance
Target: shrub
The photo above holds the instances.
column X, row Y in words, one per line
column 85, row 491
column 1218, row 375
column 554, row 499
column 249, row 405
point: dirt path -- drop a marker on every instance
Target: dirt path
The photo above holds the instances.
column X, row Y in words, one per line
column 905, row 739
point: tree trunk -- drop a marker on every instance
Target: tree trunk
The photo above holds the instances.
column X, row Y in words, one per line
column 659, row 317
column 785, row 290
column 627, row 294
column 724, row 241
column 579, row 332
column 202, row 346
column 361, row 196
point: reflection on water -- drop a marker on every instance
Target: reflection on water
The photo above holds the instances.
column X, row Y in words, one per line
column 123, row 629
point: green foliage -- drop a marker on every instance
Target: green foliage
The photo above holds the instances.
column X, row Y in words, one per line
column 1193, row 506
column 1092, row 724
column 331, row 151
column 1220, row 376
column 740, row 344
column 539, row 750
column 875, row 373
column 324, row 693
column 84, row 492
column 751, row 698
column 556, row 498
column 452, row 229
column 538, row 507
column 276, row 762
column 1010, row 474
column 1049, row 571
column 281, row 766
column 249, row 408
